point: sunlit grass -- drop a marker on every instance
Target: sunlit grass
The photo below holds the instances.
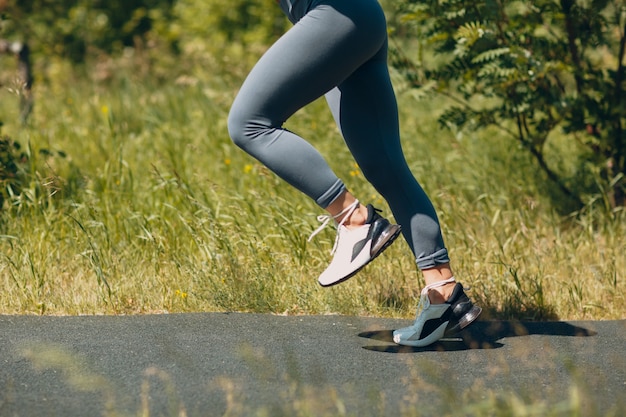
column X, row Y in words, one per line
column 153, row 209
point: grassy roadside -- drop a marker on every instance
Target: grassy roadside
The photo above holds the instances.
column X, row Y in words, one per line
column 136, row 202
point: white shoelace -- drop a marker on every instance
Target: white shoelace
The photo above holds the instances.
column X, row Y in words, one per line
column 326, row 218
column 426, row 289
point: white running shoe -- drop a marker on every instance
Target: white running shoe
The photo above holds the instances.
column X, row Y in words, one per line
column 355, row 247
column 435, row 321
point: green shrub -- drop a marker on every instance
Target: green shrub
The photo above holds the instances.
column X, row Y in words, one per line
column 548, row 73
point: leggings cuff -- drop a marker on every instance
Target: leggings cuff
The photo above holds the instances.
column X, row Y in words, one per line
column 430, row 261
column 331, row 195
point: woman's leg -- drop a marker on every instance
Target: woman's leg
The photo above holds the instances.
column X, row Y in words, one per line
column 365, row 108
column 315, row 55
column 323, row 48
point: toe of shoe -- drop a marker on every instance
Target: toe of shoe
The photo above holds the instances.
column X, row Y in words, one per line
column 401, row 336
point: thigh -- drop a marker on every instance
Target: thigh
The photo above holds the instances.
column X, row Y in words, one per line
column 319, row 52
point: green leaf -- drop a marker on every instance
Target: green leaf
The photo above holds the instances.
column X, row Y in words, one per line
column 491, row 54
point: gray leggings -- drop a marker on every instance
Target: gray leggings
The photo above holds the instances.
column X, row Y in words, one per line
column 338, row 48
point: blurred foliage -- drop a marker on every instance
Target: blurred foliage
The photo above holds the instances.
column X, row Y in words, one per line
column 222, row 22
column 533, row 69
column 74, row 29
column 225, row 37
column 70, row 28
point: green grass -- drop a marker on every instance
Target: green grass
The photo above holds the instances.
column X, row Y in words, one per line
column 152, row 209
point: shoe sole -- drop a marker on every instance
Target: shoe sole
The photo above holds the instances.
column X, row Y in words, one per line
column 387, row 238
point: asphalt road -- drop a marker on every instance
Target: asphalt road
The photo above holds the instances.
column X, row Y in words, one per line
column 238, row 364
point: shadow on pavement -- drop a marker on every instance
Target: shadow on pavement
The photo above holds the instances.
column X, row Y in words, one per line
column 480, row 335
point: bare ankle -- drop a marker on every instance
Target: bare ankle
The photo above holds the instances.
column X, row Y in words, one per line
column 357, row 218
column 441, row 294
column 346, row 210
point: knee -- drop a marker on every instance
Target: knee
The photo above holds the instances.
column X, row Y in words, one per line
column 236, row 127
column 246, row 127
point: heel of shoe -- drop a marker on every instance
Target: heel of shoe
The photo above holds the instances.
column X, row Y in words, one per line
column 470, row 316
column 386, row 237
column 465, row 320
